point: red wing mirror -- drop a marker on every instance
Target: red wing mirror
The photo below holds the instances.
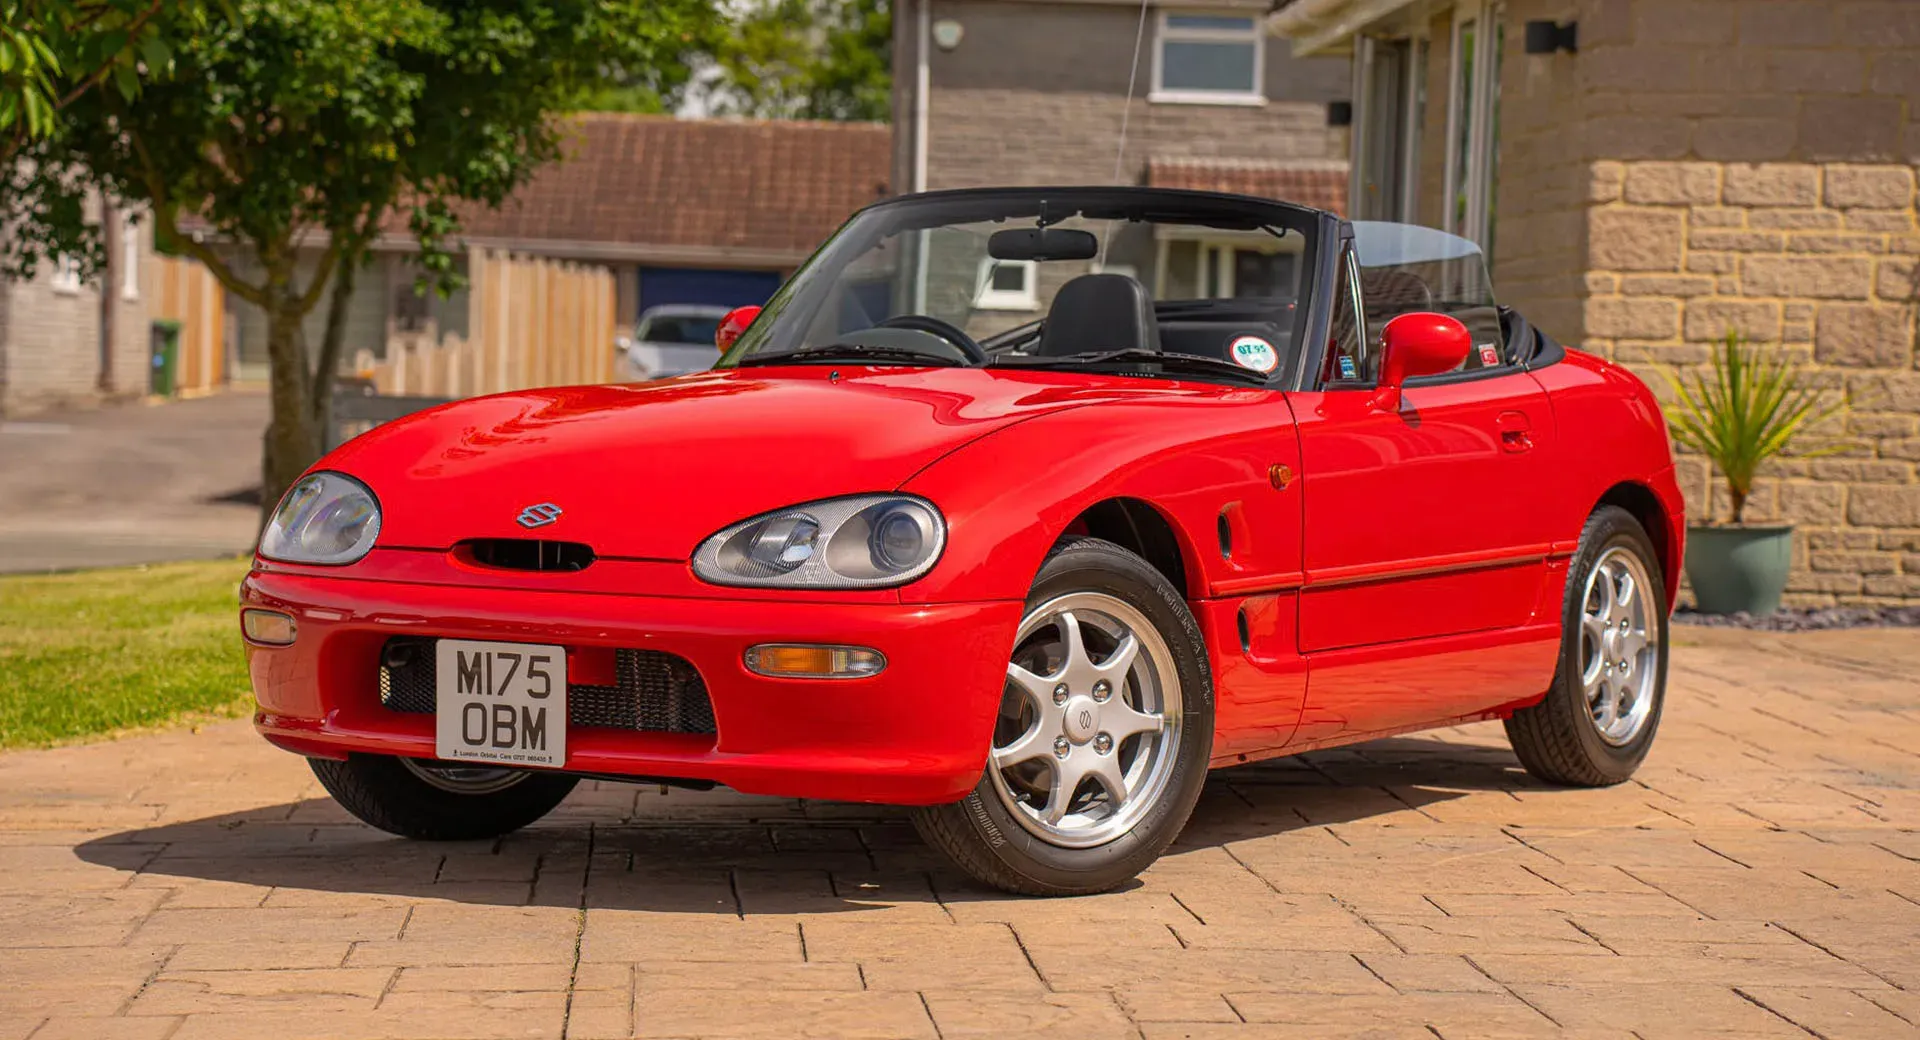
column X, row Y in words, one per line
column 1419, row 344
column 733, row 325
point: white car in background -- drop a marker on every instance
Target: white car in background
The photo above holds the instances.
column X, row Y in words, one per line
column 672, row 339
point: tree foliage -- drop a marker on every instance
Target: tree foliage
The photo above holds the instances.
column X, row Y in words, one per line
column 805, row 59
column 54, row 51
column 286, row 129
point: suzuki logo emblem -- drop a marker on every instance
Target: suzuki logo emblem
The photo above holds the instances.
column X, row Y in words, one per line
column 539, row 516
column 1086, row 718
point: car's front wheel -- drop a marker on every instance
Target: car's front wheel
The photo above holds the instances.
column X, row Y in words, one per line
column 1101, row 744
column 439, row 801
column 1598, row 719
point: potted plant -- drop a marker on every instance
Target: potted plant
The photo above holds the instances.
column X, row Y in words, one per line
column 1742, row 410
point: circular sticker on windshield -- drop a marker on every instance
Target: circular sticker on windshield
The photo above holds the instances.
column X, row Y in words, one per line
column 1253, row 352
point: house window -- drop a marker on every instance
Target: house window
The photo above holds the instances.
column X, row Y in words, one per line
column 1007, row 285
column 1473, row 120
column 1209, row 59
column 66, row 276
column 129, row 257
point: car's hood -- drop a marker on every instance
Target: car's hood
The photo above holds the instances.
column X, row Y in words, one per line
column 649, row 470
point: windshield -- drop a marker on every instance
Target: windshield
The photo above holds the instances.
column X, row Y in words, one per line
column 1051, row 277
column 1405, row 268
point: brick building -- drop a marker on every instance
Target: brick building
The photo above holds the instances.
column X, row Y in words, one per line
column 1647, row 174
column 53, row 352
column 1025, row 92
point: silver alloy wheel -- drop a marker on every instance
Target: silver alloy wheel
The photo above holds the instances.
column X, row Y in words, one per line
column 1619, row 648
column 463, row 779
column 1089, row 733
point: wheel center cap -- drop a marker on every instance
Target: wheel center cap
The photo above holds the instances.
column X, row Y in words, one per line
column 1082, row 721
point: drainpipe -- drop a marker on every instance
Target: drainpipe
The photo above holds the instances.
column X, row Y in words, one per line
column 109, row 278
column 922, row 83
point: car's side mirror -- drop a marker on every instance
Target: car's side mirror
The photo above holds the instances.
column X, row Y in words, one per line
column 1418, row 344
column 733, row 325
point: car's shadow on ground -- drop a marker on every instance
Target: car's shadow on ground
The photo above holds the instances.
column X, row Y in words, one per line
column 617, row 846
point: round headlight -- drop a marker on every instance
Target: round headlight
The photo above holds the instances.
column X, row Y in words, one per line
column 325, row 518
column 862, row 541
column 899, row 537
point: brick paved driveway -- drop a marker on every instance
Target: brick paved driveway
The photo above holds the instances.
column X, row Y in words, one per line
column 1763, row 879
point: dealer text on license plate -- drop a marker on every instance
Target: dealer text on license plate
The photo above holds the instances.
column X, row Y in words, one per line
column 500, row 702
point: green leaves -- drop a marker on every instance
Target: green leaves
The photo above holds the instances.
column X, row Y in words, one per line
column 54, row 51
column 1744, row 409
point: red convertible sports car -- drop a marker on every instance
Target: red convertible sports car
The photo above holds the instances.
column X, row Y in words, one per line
column 1025, row 507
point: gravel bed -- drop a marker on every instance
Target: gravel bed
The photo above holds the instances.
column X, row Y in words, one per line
column 1805, row 619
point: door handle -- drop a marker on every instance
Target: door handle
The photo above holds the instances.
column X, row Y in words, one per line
column 1516, row 431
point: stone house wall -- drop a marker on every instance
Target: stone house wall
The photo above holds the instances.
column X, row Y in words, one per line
column 1701, row 165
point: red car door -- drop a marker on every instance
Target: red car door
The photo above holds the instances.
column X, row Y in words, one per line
column 1425, row 548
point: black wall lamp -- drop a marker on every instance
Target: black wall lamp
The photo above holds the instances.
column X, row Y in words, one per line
column 1339, row 113
column 1546, row 37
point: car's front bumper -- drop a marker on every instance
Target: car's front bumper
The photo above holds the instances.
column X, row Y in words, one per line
column 917, row 733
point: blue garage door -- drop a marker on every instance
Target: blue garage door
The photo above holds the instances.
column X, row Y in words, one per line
column 660, row 285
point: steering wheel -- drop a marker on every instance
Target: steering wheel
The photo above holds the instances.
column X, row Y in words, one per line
column 932, row 326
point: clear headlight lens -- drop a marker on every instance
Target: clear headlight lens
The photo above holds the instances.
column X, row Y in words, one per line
column 858, row 542
column 326, row 518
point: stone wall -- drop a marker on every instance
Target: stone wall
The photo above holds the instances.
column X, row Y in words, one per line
column 1821, row 259
column 1705, row 165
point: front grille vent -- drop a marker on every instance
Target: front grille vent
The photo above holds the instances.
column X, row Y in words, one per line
column 653, row 692
column 529, row 554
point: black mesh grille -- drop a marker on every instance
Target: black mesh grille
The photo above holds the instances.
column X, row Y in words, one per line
column 653, row 692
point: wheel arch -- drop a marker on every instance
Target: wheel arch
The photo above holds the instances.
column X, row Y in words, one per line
column 1643, row 504
column 1142, row 528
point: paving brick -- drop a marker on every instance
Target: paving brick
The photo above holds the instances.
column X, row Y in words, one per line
column 1759, row 879
column 783, row 1015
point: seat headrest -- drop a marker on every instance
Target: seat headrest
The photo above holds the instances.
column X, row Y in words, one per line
column 1099, row 312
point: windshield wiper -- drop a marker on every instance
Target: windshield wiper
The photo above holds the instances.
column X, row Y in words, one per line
column 849, row 352
column 1172, row 362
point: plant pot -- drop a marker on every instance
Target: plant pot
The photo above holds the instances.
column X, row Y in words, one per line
column 1736, row 570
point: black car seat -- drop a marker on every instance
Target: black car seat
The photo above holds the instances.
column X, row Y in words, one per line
column 1099, row 313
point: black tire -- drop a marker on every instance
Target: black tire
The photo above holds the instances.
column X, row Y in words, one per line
column 979, row 834
column 1556, row 739
column 383, row 792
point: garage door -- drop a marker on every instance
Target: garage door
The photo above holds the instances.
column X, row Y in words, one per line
column 660, row 285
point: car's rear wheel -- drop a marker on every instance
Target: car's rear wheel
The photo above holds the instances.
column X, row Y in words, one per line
column 1598, row 720
column 439, row 801
column 1101, row 745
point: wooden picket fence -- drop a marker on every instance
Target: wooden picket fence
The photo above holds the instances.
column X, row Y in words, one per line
column 530, row 322
column 186, row 292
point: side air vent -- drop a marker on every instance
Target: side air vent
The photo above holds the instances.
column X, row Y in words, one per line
column 528, row 554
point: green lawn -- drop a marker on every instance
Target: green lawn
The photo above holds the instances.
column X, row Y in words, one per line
column 98, row 651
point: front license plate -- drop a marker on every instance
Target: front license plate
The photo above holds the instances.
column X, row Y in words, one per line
column 500, row 702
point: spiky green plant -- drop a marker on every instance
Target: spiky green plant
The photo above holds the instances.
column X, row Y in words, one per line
column 1742, row 410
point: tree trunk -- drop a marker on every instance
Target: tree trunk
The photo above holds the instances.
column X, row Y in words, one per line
column 320, row 403
column 1739, row 497
column 293, row 439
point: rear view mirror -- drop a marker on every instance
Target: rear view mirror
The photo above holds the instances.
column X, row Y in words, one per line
column 733, row 325
column 1043, row 244
column 1418, row 344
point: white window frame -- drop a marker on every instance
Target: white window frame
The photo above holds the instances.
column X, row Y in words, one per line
column 129, row 258
column 66, row 276
column 1254, row 35
column 1477, row 101
column 1026, row 298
